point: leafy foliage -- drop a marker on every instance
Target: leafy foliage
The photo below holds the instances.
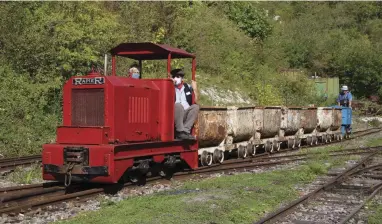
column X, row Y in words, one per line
column 239, row 45
column 251, row 19
column 28, row 119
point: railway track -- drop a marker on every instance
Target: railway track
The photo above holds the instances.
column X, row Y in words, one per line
column 23, row 199
column 9, row 164
column 26, row 198
column 337, row 200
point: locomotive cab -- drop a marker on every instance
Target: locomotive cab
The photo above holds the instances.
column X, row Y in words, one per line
column 113, row 126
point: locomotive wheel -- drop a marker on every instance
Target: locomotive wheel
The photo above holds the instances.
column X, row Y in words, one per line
column 276, row 146
column 134, row 179
column 167, row 173
column 251, row 150
column 268, row 147
column 218, row 156
column 242, row 151
column 205, row 159
column 291, row 143
column 309, row 140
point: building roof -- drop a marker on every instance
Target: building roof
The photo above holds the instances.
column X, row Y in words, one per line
column 149, row 51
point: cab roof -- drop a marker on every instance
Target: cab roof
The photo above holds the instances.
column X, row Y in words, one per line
column 149, row 51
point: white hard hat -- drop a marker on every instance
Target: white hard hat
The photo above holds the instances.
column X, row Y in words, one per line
column 344, row 88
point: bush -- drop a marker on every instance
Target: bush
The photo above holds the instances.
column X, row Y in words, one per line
column 29, row 113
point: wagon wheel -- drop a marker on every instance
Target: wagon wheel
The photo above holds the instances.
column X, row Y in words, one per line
column 242, row 151
column 276, row 146
column 268, row 146
column 329, row 138
column 323, row 139
column 297, row 143
column 291, row 143
column 205, row 159
column 218, row 156
column 251, row 150
column 315, row 140
column 309, row 140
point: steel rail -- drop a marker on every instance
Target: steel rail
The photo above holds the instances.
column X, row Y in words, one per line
column 358, row 208
column 253, row 162
column 9, row 164
column 284, row 210
column 52, row 187
column 29, row 186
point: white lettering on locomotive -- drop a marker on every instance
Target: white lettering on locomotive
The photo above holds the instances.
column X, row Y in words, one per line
column 89, row 81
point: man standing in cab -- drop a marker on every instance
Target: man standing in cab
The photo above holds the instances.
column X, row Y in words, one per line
column 185, row 111
column 345, row 98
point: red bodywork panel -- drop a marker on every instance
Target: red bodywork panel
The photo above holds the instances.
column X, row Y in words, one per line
column 83, row 135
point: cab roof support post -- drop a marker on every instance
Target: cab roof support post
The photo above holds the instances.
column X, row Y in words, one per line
column 105, row 66
column 140, row 69
column 193, row 68
column 169, row 65
column 113, row 65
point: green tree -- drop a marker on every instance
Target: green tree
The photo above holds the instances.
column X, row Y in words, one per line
column 250, row 18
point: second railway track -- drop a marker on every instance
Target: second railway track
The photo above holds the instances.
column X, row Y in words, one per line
column 338, row 200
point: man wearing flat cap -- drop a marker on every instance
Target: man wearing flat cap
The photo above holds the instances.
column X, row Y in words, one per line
column 185, row 112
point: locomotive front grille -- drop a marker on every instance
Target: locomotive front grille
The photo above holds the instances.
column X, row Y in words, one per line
column 76, row 155
column 88, row 107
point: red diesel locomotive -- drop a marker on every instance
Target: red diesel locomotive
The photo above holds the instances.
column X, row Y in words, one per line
column 118, row 128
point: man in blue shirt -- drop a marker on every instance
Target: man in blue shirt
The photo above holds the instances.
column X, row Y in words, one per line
column 345, row 98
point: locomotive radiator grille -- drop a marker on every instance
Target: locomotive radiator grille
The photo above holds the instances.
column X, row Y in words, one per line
column 138, row 110
column 88, row 107
column 76, row 155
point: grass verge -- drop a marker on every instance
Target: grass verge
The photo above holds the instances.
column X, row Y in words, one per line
column 240, row 198
column 375, row 210
column 374, row 142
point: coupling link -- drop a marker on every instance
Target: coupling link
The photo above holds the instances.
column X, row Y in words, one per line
column 68, row 175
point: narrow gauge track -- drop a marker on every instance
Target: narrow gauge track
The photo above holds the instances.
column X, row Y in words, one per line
column 338, row 200
column 28, row 197
column 25, row 198
column 9, row 164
